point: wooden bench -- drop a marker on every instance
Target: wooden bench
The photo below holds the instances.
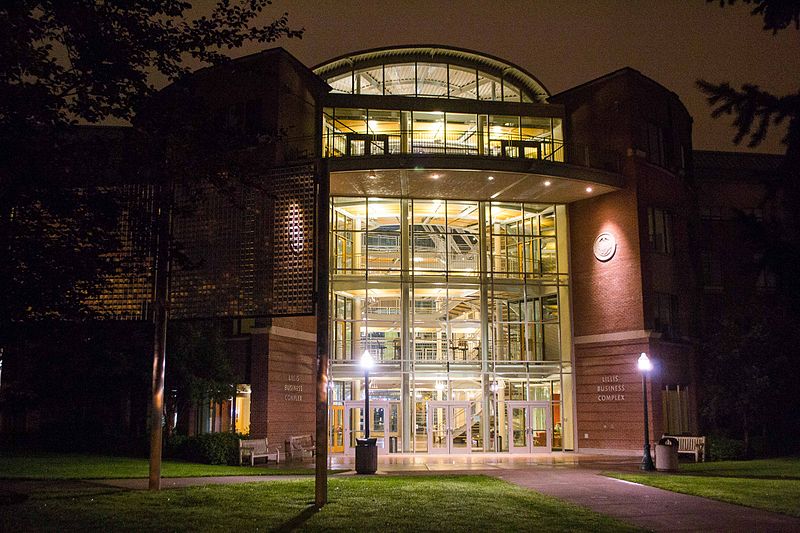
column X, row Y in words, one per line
column 299, row 447
column 256, row 448
column 691, row 445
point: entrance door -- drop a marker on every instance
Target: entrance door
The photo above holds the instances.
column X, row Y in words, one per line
column 337, row 429
column 529, row 427
column 449, row 427
column 384, row 424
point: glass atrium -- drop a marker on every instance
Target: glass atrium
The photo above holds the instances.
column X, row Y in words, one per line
column 463, row 303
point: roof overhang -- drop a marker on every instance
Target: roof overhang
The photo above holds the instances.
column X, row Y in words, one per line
column 468, row 178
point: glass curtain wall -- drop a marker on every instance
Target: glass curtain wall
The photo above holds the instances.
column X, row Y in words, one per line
column 360, row 132
column 439, row 80
column 464, row 306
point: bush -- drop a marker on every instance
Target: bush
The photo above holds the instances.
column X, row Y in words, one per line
column 725, row 449
column 209, row 448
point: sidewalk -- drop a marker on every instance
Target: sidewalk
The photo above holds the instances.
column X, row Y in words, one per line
column 648, row 507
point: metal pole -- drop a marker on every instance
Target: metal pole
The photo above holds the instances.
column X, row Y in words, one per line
column 164, row 201
column 366, row 404
column 321, row 223
column 647, row 459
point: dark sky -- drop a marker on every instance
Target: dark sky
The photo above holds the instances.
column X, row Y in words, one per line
column 565, row 43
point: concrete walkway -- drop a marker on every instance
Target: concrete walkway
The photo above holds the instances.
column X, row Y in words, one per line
column 647, row 507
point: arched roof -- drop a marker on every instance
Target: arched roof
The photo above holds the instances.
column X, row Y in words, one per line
column 435, row 54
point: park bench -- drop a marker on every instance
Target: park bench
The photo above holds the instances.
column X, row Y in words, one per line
column 299, row 447
column 691, row 445
column 256, row 448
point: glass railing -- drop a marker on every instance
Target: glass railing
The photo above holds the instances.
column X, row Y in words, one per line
column 470, row 143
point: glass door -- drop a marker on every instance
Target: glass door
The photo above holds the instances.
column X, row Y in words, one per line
column 383, row 424
column 529, row 428
column 337, row 429
column 449, row 427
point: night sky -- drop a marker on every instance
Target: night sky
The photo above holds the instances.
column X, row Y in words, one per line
column 566, row 43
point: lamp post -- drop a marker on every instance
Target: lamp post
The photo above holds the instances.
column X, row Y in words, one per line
column 366, row 448
column 645, row 366
column 366, row 364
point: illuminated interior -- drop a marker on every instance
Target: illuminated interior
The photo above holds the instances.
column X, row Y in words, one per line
column 459, row 303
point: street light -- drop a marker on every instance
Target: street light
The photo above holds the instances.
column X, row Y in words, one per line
column 645, row 366
column 367, row 362
column 366, row 448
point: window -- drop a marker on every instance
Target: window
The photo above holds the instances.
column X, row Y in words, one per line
column 659, row 225
column 712, row 271
column 655, row 144
column 675, row 408
column 767, row 279
column 665, row 314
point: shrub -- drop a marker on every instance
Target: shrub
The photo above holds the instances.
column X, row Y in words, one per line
column 209, row 448
column 725, row 449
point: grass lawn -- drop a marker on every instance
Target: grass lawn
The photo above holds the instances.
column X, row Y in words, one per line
column 379, row 503
column 74, row 466
column 770, row 484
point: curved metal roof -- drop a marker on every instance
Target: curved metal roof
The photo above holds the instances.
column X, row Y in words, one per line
column 435, row 53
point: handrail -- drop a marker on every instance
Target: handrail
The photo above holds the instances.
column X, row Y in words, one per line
column 468, row 143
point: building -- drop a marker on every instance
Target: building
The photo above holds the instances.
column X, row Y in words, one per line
column 504, row 254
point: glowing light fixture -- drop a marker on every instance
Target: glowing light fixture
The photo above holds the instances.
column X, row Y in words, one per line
column 547, row 183
column 367, row 362
column 435, row 176
column 490, row 178
column 589, row 189
column 645, row 366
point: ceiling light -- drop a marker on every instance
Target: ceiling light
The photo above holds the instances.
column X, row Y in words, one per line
column 435, row 176
column 589, row 189
column 490, row 178
column 372, row 176
column 547, row 183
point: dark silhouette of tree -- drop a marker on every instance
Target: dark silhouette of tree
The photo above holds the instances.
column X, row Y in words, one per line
column 755, row 110
column 199, row 370
column 79, row 62
column 749, row 361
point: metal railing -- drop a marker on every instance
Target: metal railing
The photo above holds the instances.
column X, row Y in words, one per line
column 351, row 144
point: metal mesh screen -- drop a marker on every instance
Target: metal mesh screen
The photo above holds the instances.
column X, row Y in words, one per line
column 126, row 294
column 239, row 251
column 293, row 190
column 247, row 250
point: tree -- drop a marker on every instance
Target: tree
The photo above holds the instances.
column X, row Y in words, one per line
column 754, row 112
column 199, row 369
column 84, row 61
column 748, row 361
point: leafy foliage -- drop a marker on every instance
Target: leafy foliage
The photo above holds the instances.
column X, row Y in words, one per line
column 84, row 61
column 199, row 369
column 777, row 14
column 209, row 448
column 725, row 449
column 90, row 60
column 747, row 374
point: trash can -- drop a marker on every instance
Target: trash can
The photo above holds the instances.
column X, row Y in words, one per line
column 667, row 455
column 392, row 444
column 366, row 456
